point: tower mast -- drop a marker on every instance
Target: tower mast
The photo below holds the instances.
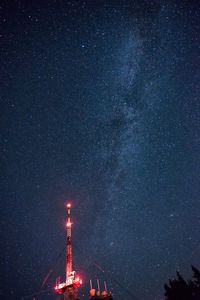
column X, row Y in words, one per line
column 69, row 287
column 69, row 244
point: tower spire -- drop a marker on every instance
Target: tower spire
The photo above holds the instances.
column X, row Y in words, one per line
column 69, row 244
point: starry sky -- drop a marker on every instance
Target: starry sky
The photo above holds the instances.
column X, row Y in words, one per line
column 100, row 105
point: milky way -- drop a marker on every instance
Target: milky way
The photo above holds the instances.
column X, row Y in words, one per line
column 100, row 106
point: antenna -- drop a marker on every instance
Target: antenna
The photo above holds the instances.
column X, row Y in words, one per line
column 91, row 284
column 105, row 286
column 98, row 285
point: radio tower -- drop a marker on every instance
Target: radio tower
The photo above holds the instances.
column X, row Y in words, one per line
column 69, row 288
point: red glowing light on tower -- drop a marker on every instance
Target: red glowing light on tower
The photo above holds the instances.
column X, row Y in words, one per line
column 68, row 224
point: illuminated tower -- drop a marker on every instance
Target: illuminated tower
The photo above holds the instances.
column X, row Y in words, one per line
column 69, row 287
column 69, row 246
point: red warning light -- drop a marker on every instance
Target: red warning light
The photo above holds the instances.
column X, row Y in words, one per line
column 68, row 205
column 78, row 281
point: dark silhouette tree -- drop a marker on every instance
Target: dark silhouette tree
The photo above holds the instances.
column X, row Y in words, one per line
column 180, row 289
column 196, row 276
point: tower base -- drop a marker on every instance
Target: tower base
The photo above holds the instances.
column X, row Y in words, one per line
column 71, row 293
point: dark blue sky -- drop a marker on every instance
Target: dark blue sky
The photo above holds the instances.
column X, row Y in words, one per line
column 100, row 104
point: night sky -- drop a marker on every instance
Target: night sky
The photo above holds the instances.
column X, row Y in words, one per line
column 100, row 105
